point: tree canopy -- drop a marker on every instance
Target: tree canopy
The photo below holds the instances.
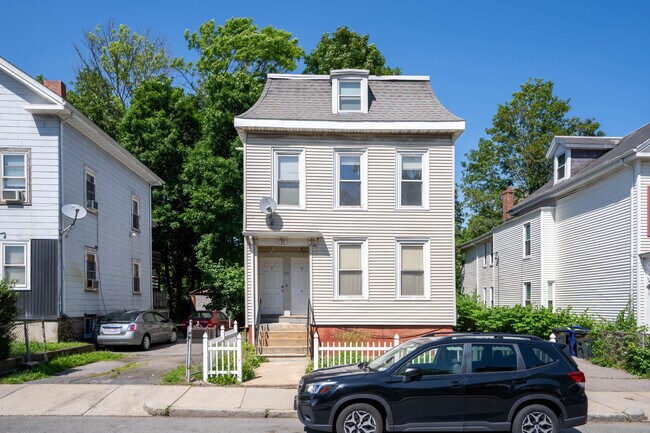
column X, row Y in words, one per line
column 346, row 49
column 514, row 151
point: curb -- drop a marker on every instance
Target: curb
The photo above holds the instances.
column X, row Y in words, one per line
column 617, row 417
column 155, row 409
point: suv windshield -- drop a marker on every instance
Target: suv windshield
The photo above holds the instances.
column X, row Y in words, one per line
column 392, row 356
column 120, row 316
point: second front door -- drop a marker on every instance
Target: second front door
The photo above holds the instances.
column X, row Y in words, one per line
column 299, row 286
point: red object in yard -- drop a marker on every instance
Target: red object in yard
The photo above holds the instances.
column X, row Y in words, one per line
column 207, row 319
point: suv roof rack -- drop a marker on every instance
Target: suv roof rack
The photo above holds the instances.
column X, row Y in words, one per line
column 494, row 335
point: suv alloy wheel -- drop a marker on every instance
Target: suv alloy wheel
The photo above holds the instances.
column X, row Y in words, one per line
column 536, row 419
column 359, row 418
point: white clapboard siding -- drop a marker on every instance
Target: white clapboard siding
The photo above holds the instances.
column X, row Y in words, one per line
column 514, row 270
column 381, row 224
column 109, row 230
column 470, row 282
column 23, row 130
column 594, row 246
column 644, row 244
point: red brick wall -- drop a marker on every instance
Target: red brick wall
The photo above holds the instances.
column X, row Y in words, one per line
column 377, row 333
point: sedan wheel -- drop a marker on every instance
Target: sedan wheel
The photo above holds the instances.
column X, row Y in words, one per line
column 536, row 419
column 360, row 418
column 174, row 336
column 146, row 342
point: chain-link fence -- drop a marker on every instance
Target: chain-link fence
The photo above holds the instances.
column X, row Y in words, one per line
column 194, row 350
column 28, row 344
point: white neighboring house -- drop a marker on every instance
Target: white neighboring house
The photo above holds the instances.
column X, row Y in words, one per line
column 582, row 240
column 362, row 170
column 52, row 155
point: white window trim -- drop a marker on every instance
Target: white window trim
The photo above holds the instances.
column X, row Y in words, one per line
column 335, row 93
column 300, row 152
column 28, row 183
column 136, row 199
column 553, row 299
column 364, row 177
column 491, row 255
column 523, row 297
column 567, row 164
column 364, row 271
column 426, row 257
column 93, row 251
column 425, row 178
column 93, row 173
column 26, row 245
column 523, row 244
column 139, row 263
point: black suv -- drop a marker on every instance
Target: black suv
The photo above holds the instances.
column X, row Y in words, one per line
column 452, row 382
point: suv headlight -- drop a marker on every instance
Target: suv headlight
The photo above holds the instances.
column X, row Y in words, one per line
column 319, row 387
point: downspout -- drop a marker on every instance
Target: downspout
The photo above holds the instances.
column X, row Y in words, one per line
column 639, row 274
column 633, row 219
column 61, row 306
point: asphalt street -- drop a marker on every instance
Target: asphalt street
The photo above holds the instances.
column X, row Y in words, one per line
column 50, row 424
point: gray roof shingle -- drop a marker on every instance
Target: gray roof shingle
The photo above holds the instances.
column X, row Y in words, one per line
column 390, row 100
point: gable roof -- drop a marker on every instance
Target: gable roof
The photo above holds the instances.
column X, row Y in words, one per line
column 56, row 105
column 305, row 101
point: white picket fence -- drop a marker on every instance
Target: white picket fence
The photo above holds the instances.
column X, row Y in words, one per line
column 333, row 354
column 223, row 355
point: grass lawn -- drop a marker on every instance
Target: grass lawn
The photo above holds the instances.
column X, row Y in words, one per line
column 50, row 368
column 18, row 348
column 177, row 375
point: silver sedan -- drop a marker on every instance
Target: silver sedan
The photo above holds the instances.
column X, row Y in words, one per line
column 135, row 328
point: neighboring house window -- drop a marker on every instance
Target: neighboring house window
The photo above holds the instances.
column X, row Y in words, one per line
column 350, row 95
column 90, row 322
column 351, row 269
column 491, row 296
column 527, row 240
column 14, row 177
column 91, row 189
column 488, row 253
column 15, row 266
column 350, row 180
column 135, row 213
column 413, row 264
column 92, row 279
column 289, row 178
column 561, row 166
column 136, row 275
column 485, row 296
column 412, row 180
column 528, row 293
column 550, row 294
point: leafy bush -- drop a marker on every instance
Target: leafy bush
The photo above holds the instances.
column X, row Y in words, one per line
column 8, row 313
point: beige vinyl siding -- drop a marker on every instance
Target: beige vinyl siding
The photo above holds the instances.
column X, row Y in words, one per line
column 514, row 270
column 548, row 251
column 381, row 224
column 594, row 246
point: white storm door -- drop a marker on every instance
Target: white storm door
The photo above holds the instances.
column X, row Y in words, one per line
column 271, row 291
column 299, row 286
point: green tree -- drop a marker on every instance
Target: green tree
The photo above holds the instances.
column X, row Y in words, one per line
column 514, row 153
column 113, row 62
column 346, row 49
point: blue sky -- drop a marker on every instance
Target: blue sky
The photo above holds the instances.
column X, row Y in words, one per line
column 477, row 52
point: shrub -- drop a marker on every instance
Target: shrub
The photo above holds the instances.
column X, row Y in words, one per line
column 8, row 313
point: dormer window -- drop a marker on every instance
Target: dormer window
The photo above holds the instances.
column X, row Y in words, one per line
column 350, row 95
column 349, row 91
column 561, row 166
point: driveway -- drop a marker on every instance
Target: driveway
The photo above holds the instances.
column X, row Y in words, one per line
column 136, row 367
column 611, row 379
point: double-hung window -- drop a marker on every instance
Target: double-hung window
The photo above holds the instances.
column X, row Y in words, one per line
column 561, row 166
column 350, row 96
column 92, row 276
column 14, row 265
column 528, row 293
column 90, row 179
column 289, row 178
column 413, row 261
column 135, row 213
column 412, row 180
column 135, row 271
column 550, row 294
column 350, row 179
column 351, row 269
column 526, row 240
column 14, row 177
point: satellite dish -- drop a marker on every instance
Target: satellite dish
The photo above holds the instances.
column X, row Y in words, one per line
column 74, row 211
column 267, row 205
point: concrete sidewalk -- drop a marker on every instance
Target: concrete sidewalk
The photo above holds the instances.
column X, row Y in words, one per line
column 210, row 401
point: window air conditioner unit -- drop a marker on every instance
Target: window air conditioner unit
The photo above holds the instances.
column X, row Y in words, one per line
column 92, row 284
column 13, row 195
column 91, row 204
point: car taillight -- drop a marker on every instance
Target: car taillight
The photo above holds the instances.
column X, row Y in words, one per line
column 577, row 376
column 132, row 327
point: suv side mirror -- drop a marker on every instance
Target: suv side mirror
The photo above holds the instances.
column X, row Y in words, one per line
column 410, row 373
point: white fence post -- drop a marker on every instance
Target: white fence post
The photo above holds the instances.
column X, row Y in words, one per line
column 222, row 332
column 205, row 355
column 239, row 357
column 234, row 326
column 396, row 340
column 552, row 338
column 316, row 351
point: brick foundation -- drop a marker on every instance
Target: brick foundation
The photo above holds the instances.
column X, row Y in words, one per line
column 375, row 333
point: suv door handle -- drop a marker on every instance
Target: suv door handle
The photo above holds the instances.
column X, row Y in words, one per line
column 456, row 384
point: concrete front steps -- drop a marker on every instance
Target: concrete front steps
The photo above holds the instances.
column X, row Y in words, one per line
column 283, row 340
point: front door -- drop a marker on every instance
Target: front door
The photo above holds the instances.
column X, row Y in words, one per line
column 299, row 286
column 271, row 290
